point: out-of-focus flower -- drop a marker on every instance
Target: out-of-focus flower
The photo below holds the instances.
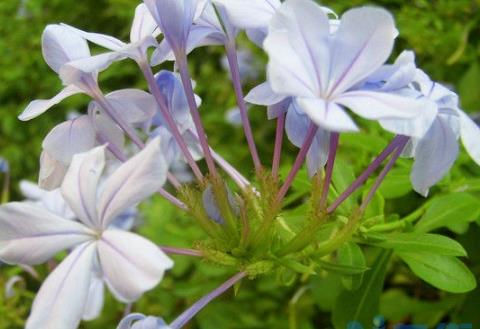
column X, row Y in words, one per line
column 129, row 264
column 140, row 321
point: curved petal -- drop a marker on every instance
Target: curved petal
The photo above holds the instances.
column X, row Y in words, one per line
column 133, row 105
column 79, row 187
column 60, row 45
column 51, row 172
column 250, row 14
column 69, row 138
column 297, row 45
column 31, row 235
column 132, row 265
column 470, row 133
column 317, row 155
column 40, row 106
column 435, row 154
column 143, row 24
column 362, row 43
column 296, row 125
column 132, row 182
column 377, row 105
column 329, row 116
column 61, row 299
column 95, row 299
column 103, row 40
column 263, row 95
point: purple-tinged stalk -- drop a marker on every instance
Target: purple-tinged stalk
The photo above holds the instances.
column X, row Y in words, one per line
column 157, row 94
column 118, row 153
column 370, row 169
column 186, row 316
column 332, row 154
column 302, row 153
column 383, row 174
column 202, row 136
column 277, row 153
column 181, row 251
column 237, row 86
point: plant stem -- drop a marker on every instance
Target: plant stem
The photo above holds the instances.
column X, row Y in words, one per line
column 202, row 137
column 186, row 316
column 332, row 154
column 401, row 223
column 277, row 153
column 312, row 130
column 181, row 251
column 172, row 126
column 383, row 174
column 237, row 86
column 370, row 169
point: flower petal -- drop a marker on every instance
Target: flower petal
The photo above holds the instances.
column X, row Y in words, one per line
column 132, row 182
column 60, row 45
column 40, row 106
column 263, row 95
column 51, row 173
column 132, row 265
column 143, row 24
column 317, row 155
column 296, row 124
column 79, row 187
column 31, row 235
column 250, row 14
column 133, row 105
column 435, row 154
column 362, row 43
column 69, row 138
column 329, row 116
column 62, row 297
column 470, row 133
column 95, row 299
column 377, row 105
column 103, row 40
column 297, row 46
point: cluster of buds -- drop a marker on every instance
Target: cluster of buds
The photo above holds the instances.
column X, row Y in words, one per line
column 131, row 143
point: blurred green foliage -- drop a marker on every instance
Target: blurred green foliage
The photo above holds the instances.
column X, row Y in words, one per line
column 445, row 36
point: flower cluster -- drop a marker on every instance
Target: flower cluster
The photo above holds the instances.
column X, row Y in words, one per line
column 323, row 70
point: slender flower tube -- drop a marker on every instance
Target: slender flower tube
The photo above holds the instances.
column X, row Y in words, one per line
column 277, row 153
column 298, row 162
column 370, row 169
column 200, row 304
column 332, row 154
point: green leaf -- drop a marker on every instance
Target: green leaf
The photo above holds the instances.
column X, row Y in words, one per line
column 351, row 254
column 434, row 243
column 443, row 272
column 447, row 209
column 396, row 184
column 343, row 269
column 362, row 305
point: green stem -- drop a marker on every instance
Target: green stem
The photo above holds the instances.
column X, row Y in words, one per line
column 401, row 223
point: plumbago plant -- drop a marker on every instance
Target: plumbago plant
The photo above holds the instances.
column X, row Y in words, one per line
column 323, row 72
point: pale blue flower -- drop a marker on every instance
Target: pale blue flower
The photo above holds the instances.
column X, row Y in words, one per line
column 128, row 263
column 140, row 321
column 4, row 166
column 323, row 69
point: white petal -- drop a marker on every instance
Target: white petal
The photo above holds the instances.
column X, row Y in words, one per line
column 75, row 71
column 297, row 46
column 40, row 106
column 62, row 297
column 162, row 53
column 60, row 45
column 248, row 14
column 95, row 299
column 79, row 187
column 363, row 42
column 51, row 173
column 317, row 155
column 376, row 105
column 435, row 154
column 132, row 265
column 30, row 234
column 263, row 95
column 296, row 124
column 31, row 191
column 133, row 105
column 143, row 24
column 329, row 116
column 103, row 40
column 470, row 133
column 69, row 138
column 132, row 182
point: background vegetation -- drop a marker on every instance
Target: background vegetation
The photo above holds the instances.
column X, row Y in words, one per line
column 445, row 36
